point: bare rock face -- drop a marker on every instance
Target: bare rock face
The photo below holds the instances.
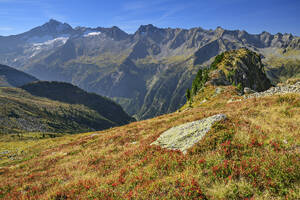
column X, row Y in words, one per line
column 241, row 67
column 184, row 136
column 218, row 78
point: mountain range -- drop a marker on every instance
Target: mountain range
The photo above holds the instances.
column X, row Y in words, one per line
column 147, row 72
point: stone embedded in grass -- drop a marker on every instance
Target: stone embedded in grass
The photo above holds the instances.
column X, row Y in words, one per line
column 184, row 136
column 248, row 91
column 94, row 134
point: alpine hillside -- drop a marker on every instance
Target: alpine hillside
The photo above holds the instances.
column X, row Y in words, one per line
column 31, row 106
column 68, row 93
column 23, row 113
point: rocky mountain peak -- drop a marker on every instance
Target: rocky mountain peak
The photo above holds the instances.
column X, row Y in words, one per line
column 53, row 21
column 115, row 28
column 51, row 28
column 150, row 28
column 265, row 34
column 115, row 33
column 219, row 30
column 150, row 32
column 278, row 35
column 56, row 26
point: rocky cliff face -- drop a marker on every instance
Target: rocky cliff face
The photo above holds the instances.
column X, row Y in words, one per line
column 146, row 72
column 241, row 67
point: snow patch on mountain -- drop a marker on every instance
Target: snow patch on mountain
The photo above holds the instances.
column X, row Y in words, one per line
column 91, row 33
column 37, row 48
column 61, row 40
column 45, row 39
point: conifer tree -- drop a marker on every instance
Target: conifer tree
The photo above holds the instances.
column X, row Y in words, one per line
column 188, row 94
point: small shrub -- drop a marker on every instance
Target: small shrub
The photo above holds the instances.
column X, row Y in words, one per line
column 239, row 87
column 217, row 60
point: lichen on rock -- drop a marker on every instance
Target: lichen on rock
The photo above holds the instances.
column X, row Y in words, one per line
column 184, row 136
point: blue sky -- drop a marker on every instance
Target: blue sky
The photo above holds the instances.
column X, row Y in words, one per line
column 254, row 16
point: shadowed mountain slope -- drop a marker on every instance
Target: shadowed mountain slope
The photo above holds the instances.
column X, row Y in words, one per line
column 12, row 77
column 23, row 113
column 68, row 93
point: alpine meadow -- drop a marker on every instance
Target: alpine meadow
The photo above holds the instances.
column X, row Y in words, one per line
column 140, row 112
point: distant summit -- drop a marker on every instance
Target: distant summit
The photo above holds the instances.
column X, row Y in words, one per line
column 52, row 28
column 56, row 26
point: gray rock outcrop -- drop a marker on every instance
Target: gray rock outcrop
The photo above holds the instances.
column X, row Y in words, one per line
column 184, row 136
column 292, row 88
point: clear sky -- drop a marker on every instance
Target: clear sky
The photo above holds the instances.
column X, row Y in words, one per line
column 254, row 16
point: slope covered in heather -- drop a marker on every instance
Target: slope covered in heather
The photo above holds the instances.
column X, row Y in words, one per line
column 252, row 154
column 243, row 147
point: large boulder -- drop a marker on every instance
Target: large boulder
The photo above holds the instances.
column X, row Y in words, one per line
column 184, row 136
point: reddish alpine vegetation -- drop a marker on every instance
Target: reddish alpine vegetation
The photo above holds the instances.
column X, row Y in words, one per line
column 240, row 158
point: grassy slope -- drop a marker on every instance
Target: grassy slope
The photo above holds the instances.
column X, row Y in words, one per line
column 21, row 112
column 255, row 153
column 68, row 93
